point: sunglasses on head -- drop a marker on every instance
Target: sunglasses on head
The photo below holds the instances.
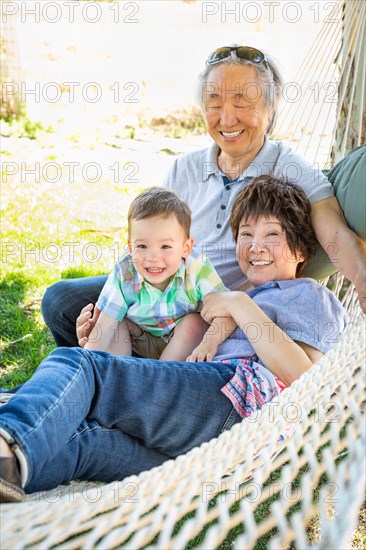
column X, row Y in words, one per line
column 242, row 52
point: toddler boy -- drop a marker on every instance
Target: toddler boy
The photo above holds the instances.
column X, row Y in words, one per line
column 151, row 301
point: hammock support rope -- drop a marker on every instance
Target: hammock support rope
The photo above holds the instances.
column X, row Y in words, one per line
column 326, row 84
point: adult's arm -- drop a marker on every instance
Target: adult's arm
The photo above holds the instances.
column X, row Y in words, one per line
column 284, row 357
column 345, row 249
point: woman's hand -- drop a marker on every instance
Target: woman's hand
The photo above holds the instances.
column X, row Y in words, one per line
column 219, row 304
column 85, row 323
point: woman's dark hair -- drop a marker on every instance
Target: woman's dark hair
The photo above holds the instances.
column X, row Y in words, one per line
column 268, row 196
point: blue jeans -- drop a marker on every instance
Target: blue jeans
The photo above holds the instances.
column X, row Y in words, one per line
column 90, row 415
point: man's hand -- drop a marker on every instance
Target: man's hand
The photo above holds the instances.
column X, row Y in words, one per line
column 360, row 286
column 85, row 323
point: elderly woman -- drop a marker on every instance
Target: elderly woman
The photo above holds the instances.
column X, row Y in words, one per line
column 239, row 91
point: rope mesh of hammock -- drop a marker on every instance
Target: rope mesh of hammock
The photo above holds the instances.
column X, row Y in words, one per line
column 315, row 101
column 225, row 483
column 228, row 482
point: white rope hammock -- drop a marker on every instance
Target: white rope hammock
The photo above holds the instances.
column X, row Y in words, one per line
column 233, row 481
column 325, row 408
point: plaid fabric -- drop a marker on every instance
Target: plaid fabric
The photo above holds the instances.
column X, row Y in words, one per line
column 248, row 389
column 127, row 294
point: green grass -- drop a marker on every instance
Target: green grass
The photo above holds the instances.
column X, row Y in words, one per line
column 25, row 340
column 28, row 269
column 22, row 126
column 39, row 221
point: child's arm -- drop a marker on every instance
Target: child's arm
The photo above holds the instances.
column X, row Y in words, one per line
column 218, row 332
column 85, row 323
column 284, row 357
column 101, row 336
column 208, row 281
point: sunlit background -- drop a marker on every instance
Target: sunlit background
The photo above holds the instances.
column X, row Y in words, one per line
column 101, row 72
column 159, row 46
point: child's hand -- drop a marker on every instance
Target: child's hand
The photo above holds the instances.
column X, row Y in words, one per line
column 85, row 323
column 205, row 351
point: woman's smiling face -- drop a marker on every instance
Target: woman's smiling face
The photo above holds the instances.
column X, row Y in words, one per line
column 263, row 252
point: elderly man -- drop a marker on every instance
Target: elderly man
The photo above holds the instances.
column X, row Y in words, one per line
column 239, row 91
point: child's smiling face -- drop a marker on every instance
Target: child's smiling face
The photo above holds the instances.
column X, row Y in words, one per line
column 263, row 252
column 157, row 246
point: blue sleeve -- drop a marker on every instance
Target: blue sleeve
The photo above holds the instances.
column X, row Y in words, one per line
column 314, row 316
column 296, row 169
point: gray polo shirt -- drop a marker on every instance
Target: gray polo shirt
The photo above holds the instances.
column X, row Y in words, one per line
column 197, row 179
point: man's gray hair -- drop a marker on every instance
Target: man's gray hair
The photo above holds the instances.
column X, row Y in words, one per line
column 268, row 73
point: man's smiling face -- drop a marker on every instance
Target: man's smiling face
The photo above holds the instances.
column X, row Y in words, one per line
column 234, row 109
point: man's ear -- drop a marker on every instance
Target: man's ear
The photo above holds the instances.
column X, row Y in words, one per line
column 271, row 113
column 187, row 249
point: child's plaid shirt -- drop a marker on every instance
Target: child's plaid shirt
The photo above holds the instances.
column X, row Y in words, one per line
column 127, row 294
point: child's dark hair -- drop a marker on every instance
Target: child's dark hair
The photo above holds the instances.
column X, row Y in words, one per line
column 160, row 201
column 269, row 196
